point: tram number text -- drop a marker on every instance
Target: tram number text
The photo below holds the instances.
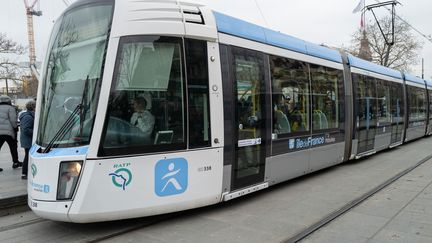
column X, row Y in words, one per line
column 33, row 204
column 204, row 168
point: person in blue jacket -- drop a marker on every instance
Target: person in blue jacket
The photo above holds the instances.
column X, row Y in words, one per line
column 27, row 123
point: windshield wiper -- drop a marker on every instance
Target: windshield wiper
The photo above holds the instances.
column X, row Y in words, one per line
column 70, row 121
column 80, row 110
column 83, row 105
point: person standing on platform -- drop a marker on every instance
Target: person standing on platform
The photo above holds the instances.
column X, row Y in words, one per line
column 26, row 136
column 9, row 128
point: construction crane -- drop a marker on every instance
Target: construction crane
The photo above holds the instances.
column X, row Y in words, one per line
column 30, row 11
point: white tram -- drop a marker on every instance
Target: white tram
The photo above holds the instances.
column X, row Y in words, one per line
column 150, row 107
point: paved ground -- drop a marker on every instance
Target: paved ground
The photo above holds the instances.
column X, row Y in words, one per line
column 11, row 184
column 401, row 212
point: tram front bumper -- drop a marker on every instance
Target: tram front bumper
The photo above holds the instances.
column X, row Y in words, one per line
column 57, row 211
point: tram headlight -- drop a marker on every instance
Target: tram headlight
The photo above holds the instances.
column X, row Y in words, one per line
column 68, row 178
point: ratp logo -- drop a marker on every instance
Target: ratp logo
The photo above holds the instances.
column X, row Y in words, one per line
column 121, row 178
column 171, row 177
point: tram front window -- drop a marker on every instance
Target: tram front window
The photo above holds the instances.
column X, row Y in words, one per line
column 71, row 84
column 146, row 109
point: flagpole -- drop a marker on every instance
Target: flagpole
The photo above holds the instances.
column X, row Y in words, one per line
column 363, row 16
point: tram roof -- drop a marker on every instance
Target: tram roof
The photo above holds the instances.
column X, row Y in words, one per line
column 233, row 26
column 412, row 78
column 372, row 67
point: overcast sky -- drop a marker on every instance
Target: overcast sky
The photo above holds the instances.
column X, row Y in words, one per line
column 329, row 22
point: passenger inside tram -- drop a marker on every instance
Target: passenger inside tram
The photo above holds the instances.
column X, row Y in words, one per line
column 282, row 124
column 288, row 116
column 294, row 116
column 142, row 118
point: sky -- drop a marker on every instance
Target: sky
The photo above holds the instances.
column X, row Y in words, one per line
column 329, row 22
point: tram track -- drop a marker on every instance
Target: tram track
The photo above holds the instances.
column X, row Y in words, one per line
column 128, row 229
column 352, row 204
column 22, row 224
column 297, row 237
column 99, row 232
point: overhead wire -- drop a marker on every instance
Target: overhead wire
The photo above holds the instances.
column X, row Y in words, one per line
column 262, row 15
column 427, row 37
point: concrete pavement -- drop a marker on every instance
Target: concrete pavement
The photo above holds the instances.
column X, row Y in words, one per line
column 281, row 212
column 12, row 188
column 401, row 212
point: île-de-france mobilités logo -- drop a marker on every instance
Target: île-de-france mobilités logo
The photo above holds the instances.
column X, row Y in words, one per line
column 171, row 177
column 122, row 177
column 33, row 170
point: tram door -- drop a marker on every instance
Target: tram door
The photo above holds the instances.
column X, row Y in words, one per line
column 366, row 114
column 249, row 92
column 397, row 112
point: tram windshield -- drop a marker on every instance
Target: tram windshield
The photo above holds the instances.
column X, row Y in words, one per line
column 73, row 74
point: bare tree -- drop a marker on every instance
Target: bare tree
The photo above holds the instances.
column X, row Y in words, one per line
column 401, row 55
column 9, row 70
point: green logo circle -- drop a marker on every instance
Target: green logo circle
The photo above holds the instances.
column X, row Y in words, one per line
column 33, row 170
column 124, row 181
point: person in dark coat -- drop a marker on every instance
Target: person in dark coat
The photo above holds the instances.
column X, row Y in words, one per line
column 8, row 128
column 26, row 137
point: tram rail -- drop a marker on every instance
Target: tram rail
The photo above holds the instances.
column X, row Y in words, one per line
column 352, row 204
column 108, row 230
column 22, row 224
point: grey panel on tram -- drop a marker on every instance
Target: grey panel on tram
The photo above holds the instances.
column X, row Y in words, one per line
column 354, row 148
column 286, row 166
column 415, row 132
column 382, row 141
column 226, row 181
column 325, row 156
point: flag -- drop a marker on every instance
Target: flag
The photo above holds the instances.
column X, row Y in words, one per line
column 359, row 7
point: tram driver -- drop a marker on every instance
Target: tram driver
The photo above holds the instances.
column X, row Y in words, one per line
column 142, row 118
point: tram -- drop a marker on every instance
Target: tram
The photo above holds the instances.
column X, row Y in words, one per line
column 150, row 107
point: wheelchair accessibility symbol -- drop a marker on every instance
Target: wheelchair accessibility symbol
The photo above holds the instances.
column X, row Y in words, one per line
column 171, row 177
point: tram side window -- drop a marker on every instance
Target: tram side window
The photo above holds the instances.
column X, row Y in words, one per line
column 417, row 105
column 384, row 101
column 430, row 105
column 325, row 97
column 198, row 93
column 146, row 109
column 397, row 102
column 290, row 82
column 365, row 100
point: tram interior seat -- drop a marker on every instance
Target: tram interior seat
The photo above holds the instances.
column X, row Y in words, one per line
column 298, row 121
column 282, row 123
column 320, row 120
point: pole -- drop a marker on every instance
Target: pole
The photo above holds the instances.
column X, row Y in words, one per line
column 7, row 87
column 422, row 68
